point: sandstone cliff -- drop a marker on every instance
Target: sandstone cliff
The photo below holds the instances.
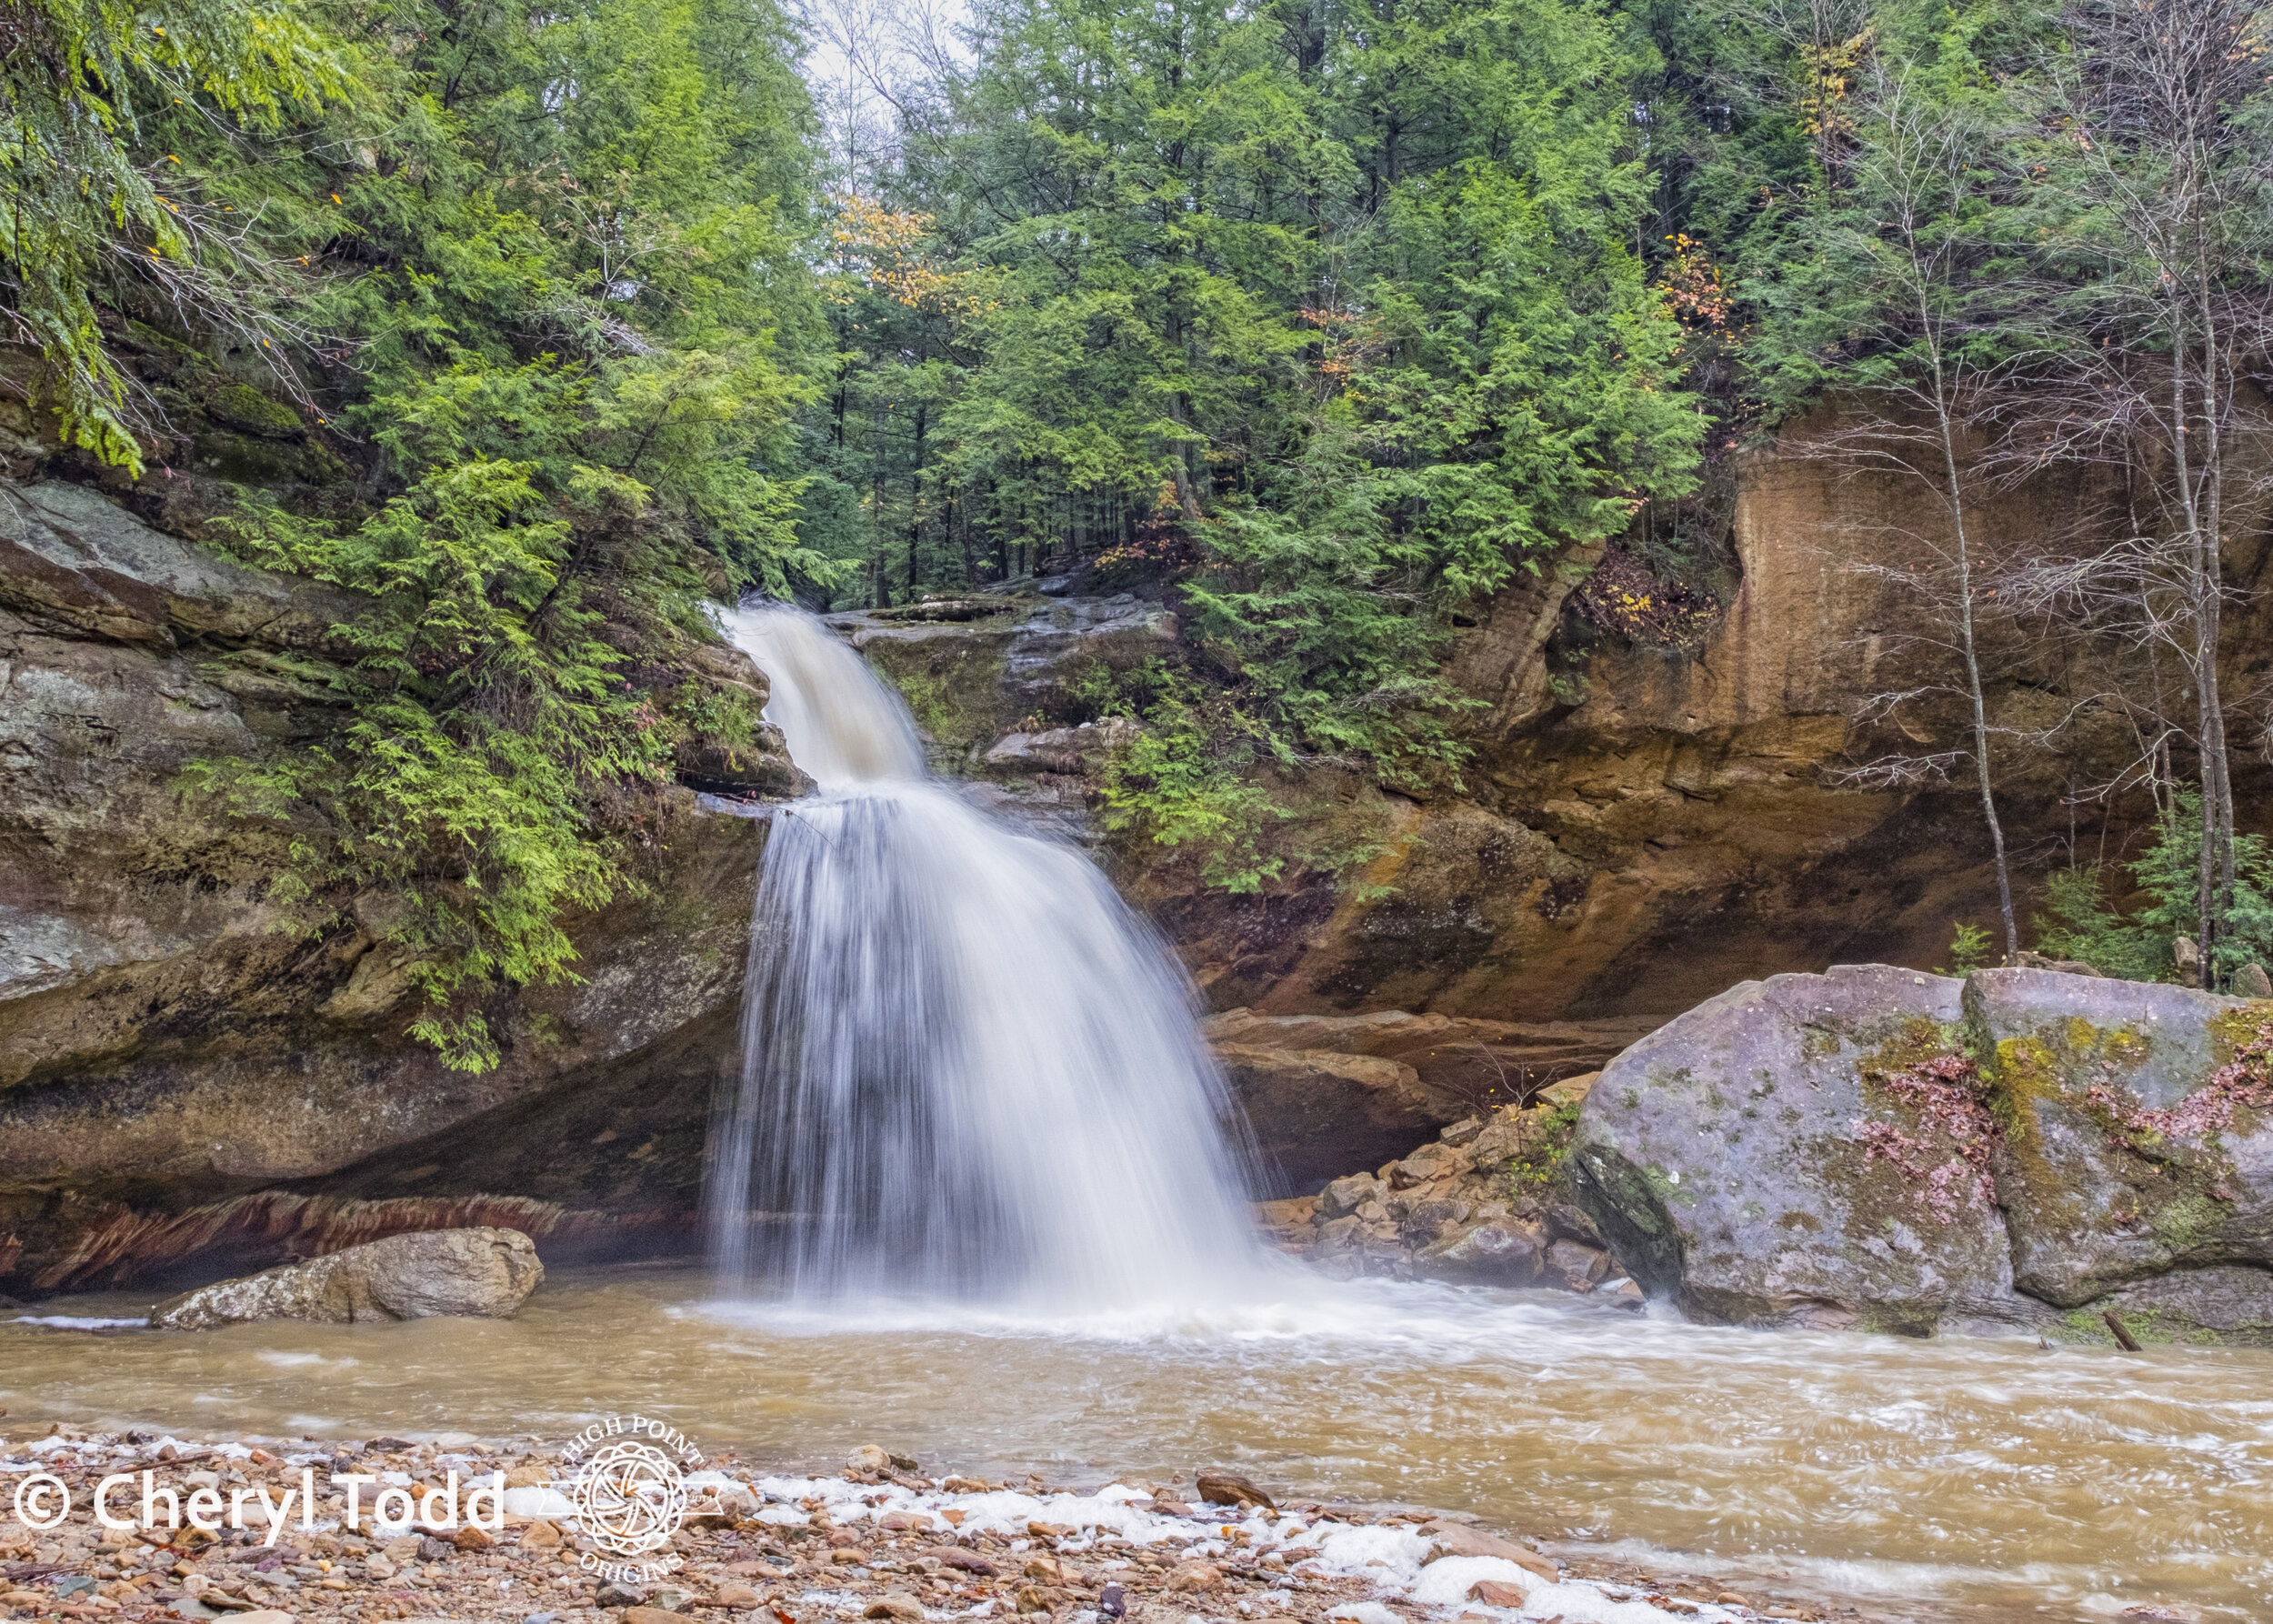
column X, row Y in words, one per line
column 186, row 1089
column 1641, row 827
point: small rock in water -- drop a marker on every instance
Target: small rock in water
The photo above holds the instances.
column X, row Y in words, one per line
column 868, row 1458
column 1458, row 1539
column 484, row 1273
column 1229, row 1489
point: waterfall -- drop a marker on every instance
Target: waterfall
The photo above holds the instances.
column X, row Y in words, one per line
column 970, row 1071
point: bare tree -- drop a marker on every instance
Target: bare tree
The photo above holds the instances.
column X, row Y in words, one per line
column 1928, row 377
column 2159, row 177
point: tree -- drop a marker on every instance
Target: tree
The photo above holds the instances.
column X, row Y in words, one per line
column 92, row 210
column 1897, row 309
column 2155, row 202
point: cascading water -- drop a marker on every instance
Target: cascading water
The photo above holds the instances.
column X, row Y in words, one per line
column 969, row 1070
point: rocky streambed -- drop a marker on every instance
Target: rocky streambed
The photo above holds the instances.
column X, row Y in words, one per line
column 877, row 1541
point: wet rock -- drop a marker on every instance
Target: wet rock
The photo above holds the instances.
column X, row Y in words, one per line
column 1426, row 1221
column 1229, row 1489
column 482, row 1273
column 1726, row 1159
column 2227, row 1307
column 1059, row 639
column 1493, row 1592
column 1429, row 1164
column 1460, row 1540
column 1497, row 1253
column 1061, row 749
column 868, row 1457
column 1316, row 1113
column 1580, row 1267
column 755, row 764
column 905, row 1609
column 1345, row 1195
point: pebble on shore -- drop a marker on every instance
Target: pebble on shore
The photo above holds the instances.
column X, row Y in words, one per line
column 879, row 1540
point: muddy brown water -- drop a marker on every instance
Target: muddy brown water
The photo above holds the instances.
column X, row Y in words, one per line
column 1992, row 1477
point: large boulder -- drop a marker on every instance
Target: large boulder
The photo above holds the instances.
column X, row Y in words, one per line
column 483, row 1273
column 2137, row 1128
column 1777, row 1156
column 1880, row 1147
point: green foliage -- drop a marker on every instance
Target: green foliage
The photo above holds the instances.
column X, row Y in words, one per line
column 2083, row 924
column 1185, row 779
column 1543, row 1148
column 559, row 259
column 90, row 207
column 488, row 711
column 1969, row 950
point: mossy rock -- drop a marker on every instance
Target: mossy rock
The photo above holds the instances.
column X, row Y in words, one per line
column 1724, row 1158
column 243, row 407
column 2094, row 1200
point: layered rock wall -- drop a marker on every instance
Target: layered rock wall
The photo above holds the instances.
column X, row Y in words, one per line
column 185, row 1084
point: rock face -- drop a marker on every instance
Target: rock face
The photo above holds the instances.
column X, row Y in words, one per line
column 1483, row 1205
column 483, row 1273
column 1639, row 829
column 1327, row 1093
column 184, row 1090
column 1883, row 1149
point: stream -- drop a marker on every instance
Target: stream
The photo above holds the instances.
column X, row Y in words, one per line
column 1994, row 1477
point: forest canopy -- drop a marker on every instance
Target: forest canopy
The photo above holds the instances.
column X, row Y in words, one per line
column 1326, row 320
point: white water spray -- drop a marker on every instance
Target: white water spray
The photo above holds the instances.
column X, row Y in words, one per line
column 969, row 1070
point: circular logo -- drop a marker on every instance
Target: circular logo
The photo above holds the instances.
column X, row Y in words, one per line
column 630, row 1497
